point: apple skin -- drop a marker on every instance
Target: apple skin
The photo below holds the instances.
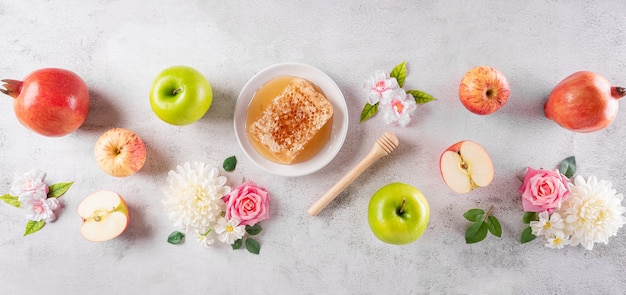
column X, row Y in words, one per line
column 398, row 213
column 104, row 216
column 120, row 152
column 474, row 174
column 51, row 102
column 180, row 95
column 584, row 102
column 484, row 90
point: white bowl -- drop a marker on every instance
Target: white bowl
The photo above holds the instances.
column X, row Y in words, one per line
column 340, row 118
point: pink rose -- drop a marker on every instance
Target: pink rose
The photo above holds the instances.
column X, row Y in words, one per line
column 543, row 190
column 247, row 203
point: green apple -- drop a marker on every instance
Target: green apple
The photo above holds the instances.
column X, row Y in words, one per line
column 180, row 95
column 398, row 213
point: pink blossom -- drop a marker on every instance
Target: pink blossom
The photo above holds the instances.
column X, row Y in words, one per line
column 543, row 190
column 41, row 209
column 247, row 203
column 379, row 86
column 29, row 185
column 398, row 108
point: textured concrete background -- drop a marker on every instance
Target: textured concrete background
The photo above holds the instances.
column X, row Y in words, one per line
column 119, row 46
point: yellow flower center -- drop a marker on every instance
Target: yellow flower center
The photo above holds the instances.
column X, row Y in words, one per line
column 229, row 228
column 547, row 225
column 557, row 241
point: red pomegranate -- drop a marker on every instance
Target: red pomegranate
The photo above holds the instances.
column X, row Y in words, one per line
column 584, row 102
column 51, row 102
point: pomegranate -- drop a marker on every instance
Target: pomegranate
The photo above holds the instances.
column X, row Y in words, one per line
column 584, row 102
column 51, row 102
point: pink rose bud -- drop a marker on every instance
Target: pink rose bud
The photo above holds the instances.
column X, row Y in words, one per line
column 247, row 203
column 543, row 190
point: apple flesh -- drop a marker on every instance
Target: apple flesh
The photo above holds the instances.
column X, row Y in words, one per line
column 120, row 152
column 484, row 90
column 584, row 102
column 104, row 215
column 398, row 213
column 51, row 102
column 465, row 166
column 180, row 95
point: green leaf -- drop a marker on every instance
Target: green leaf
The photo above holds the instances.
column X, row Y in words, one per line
column 567, row 167
column 494, row 226
column 530, row 216
column 368, row 111
column 230, row 163
column 421, row 97
column 34, row 226
column 254, row 230
column 175, row 238
column 527, row 235
column 11, row 200
column 474, row 215
column 253, row 246
column 58, row 189
column 237, row 244
column 476, row 232
column 399, row 72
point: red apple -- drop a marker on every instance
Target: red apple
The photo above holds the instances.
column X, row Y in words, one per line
column 120, row 152
column 584, row 102
column 465, row 166
column 104, row 215
column 484, row 90
column 51, row 102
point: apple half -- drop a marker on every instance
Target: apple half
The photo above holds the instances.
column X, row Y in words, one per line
column 104, row 215
column 120, row 152
column 465, row 166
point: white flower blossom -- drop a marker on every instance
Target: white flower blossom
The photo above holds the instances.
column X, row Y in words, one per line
column 593, row 213
column 193, row 198
column 557, row 241
column 205, row 240
column 228, row 231
column 547, row 225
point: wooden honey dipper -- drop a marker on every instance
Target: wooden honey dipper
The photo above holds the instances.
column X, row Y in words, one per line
column 383, row 146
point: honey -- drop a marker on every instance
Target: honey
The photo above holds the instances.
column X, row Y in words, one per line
column 264, row 97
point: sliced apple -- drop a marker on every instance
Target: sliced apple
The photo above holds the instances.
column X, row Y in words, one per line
column 465, row 166
column 104, row 215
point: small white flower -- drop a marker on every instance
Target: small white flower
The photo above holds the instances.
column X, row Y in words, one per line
column 205, row 240
column 40, row 209
column 193, row 198
column 398, row 107
column 557, row 241
column 29, row 185
column 548, row 225
column 379, row 86
column 228, row 231
column 593, row 213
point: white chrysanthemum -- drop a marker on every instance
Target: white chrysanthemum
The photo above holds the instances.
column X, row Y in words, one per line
column 193, row 198
column 593, row 213
column 547, row 225
column 228, row 231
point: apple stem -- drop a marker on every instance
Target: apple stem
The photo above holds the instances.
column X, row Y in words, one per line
column 618, row 92
column 177, row 90
column 401, row 210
